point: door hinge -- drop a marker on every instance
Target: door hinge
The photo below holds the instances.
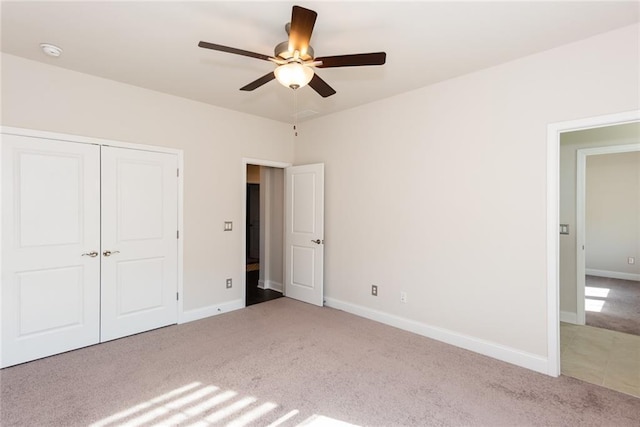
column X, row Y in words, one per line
column 178, row 172
column 177, row 296
column 177, row 234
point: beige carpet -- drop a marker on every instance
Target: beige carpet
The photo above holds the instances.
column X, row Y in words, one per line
column 617, row 302
column 288, row 363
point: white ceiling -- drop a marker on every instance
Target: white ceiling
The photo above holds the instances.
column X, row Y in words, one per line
column 154, row 44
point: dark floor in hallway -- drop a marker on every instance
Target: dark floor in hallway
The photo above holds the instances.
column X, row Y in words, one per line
column 255, row 295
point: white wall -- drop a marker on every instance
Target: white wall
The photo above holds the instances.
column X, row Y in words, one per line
column 441, row 192
column 570, row 143
column 612, row 213
column 214, row 140
column 276, row 268
column 271, row 235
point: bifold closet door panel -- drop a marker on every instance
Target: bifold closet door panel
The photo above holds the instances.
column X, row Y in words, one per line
column 50, row 241
column 139, row 243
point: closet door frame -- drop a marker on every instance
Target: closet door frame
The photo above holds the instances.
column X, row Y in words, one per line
column 106, row 142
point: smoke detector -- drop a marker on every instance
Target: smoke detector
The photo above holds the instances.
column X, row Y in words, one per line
column 51, row 50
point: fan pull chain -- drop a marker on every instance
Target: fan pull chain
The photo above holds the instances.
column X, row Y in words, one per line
column 295, row 112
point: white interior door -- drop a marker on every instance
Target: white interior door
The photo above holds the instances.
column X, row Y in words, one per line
column 50, row 241
column 139, row 241
column 304, row 233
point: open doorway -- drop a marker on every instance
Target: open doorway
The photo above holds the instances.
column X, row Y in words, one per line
column 599, row 220
column 609, row 277
column 599, row 213
column 264, row 231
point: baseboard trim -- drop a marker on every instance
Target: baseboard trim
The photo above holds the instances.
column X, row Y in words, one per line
column 211, row 310
column 270, row 284
column 276, row 286
column 568, row 317
column 612, row 274
column 506, row 354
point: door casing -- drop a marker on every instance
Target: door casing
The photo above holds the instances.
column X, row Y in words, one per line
column 554, row 130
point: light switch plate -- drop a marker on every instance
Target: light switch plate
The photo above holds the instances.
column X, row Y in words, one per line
column 228, row 226
column 564, row 228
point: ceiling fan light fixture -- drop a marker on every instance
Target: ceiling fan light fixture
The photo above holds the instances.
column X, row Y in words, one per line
column 294, row 75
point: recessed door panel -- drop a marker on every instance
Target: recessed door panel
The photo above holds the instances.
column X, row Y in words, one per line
column 139, row 242
column 139, row 206
column 302, row 258
column 53, row 180
column 50, row 218
column 303, row 197
column 37, row 289
column 137, row 286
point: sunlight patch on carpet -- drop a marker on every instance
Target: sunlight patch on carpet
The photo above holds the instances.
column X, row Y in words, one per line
column 590, row 291
column 199, row 405
column 594, row 305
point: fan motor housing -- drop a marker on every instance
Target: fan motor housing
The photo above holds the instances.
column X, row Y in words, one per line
column 282, row 51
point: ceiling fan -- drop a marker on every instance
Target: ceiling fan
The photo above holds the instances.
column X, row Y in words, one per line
column 295, row 57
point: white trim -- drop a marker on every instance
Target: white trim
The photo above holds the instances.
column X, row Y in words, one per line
column 106, row 142
column 581, row 229
column 612, row 275
column 260, row 162
column 497, row 351
column 273, row 285
column 211, row 310
column 568, row 317
column 1, row 274
column 553, row 221
column 243, row 218
column 270, row 284
column 553, row 250
column 181, row 233
column 85, row 140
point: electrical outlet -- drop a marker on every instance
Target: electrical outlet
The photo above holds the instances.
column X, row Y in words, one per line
column 228, row 226
column 631, row 260
column 374, row 290
column 229, row 283
column 403, row 297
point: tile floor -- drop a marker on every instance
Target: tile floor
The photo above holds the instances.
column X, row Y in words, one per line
column 600, row 356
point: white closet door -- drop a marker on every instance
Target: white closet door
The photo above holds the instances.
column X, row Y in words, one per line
column 139, row 242
column 50, row 219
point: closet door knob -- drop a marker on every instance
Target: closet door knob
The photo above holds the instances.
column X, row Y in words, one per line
column 91, row 254
column 109, row 253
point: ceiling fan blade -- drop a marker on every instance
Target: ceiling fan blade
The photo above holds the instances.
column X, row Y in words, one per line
column 355, row 60
column 302, row 22
column 257, row 83
column 321, row 86
column 227, row 49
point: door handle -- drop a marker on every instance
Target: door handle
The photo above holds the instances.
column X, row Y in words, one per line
column 317, row 241
column 109, row 253
column 92, row 254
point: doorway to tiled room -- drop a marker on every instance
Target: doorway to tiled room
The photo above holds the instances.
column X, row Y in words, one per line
column 599, row 247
